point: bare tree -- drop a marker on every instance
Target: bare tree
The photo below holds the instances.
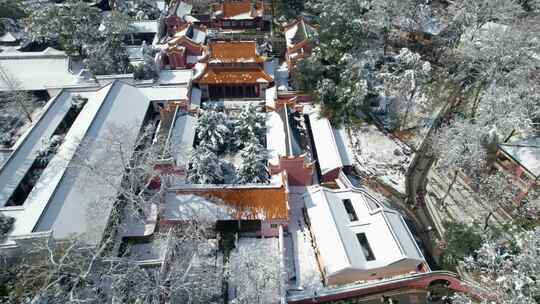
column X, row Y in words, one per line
column 191, row 273
column 72, row 271
column 59, row 272
column 14, row 95
column 497, row 193
column 128, row 167
column 255, row 272
column 458, row 147
column 404, row 80
column 506, row 271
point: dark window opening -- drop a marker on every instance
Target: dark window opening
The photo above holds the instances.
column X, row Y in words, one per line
column 350, row 210
column 219, row 92
column 366, row 249
column 235, row 226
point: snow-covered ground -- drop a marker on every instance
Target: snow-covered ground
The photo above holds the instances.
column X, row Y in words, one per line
column 377, row 154
column 460, row 205
column 307, row 272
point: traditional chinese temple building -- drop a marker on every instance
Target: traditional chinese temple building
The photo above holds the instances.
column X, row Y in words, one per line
column 186, row 47
column 233, row 70
column 299, row 37
column 239, row 14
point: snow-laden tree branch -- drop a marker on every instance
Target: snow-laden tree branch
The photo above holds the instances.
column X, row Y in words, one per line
column 509, row 270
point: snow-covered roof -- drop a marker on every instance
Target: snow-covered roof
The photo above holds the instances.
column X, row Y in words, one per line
column 166, row 93
column 65, row 199
column 9, row 37
column 295, row 34
column 26, row 149
column 199, row 36
column 199, row 69
column 325, row 144
column 357, row 238
column 344, row 146
column 196, row 96
column 275, row 137
column 243, row 16
column 298, row 32
column 144, row 26
column 526, row 153
column 175, row 77
column 185, row 207
column 72, row 208
column 4, row 155
column 182, row 137
column 12, row 32
column 32, row 71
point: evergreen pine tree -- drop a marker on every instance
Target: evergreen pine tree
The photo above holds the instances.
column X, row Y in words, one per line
column 213, row 130
column 254, row 167
column 249, row 125
column 205, row 167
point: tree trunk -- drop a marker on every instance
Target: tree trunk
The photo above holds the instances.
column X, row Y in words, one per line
column 486, row 222
column 385, row 41
column 408, row 109
column 510, row 136
column 450, row 186
column 476, row 100
column 24, row 109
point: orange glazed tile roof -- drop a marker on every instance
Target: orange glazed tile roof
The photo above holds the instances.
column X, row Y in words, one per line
column 230, row 52
column 235, row 8
column 234, row 76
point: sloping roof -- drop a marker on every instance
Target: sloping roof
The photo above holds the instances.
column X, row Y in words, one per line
column 161, row 93
column 73, row 207
column 180, row 40
column 298, row 32
column 144, row 26
column 231, row 52
column 189, row 31
column 275, row 137
column 25, row 152
column 68, row 200
column 196, row 96
column 336, row 234
column 36, row 70
column 182, row 137
column 234, row 76
column 12, row 32
column 185, row 207
column 328, row 154
column 526, row 153
column 242, row 8
column 175, row 77
column 344, row 146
